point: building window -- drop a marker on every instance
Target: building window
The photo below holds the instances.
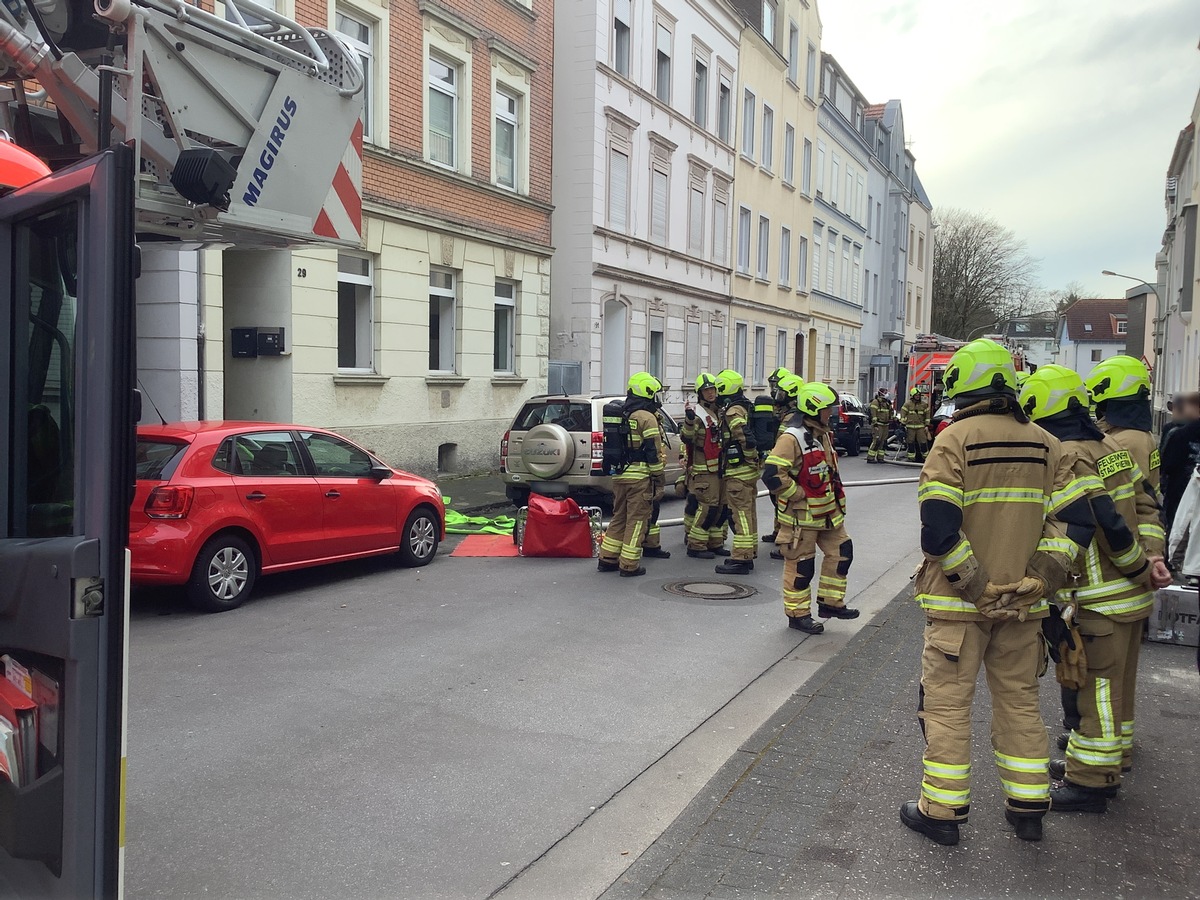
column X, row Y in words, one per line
column 841, row 363
column 716, row 348
column 820, row 168
column 739, row 347
column 921, row 251
column 1122, row 326
column 700, row 94
column 620, row 37
column 691, row 349
column 855, row 291
column 743, row 250
column 720, row 250
column 1095, row 356
column 831, row 264
column 662, row 63
column 358, row 34
column 760, row 355
column 660, row 192
column 802, row 263
column 835, row 169
column 768, row 20
column 793, row 53
column 781, row 348
column 618, row 189
column 748, row 124
column 845, row 284
column 908, row 306
column 828, row 367
column 789, row 154
column 507, row 130
column 920, row 309
column 764, row 247
column 816, row 260
column 785, row 256
column 505, row 334
column 443, row 112
column 806, row 168
column 442, row 313
column 724, row 109
column 696, row 221
column 656, row 354
column 768, row 138
column 810, row 74
column 356, row 350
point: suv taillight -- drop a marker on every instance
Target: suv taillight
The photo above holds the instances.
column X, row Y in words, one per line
column 504, row 452
column 597, row 451
column 169, row 501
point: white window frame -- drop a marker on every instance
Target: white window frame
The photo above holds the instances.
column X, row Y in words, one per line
column 770, row 8
column 740, row 336
column 700, row 91
column 768, row 138
column 664, row 37
column 749, row 101
column 622, row 8
column 366, row 54
column 802, row 265
column 725, row 107
column 789, row 154
column 447, row 343
column 760, row 355
column 717, row 348
column 764, row 248
column 502, row 117
column 785, row 256
column 438, row 86
column 743, row 248
column 793, row 70
column 816, row 259
column 781, row 348
column 806, row 168
column 509, row 303
column 660, row 174
column 363, row 286
column 656, row 347
column 720, row 229
column 810, row 73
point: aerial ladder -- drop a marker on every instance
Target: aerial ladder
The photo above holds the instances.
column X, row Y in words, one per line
column 246, row 129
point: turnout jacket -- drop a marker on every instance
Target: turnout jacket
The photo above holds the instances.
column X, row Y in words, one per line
column 1112, row 577
column 802, row 475
column 734, row 421
column 915, row 415
column 702, row 435
column 998, row 501
column 880, row 411
column 1144, row 452
column 645, row 439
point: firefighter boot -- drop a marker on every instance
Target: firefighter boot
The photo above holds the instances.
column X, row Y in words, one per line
column 735, row 567
column 720, row 551
column 633, row 573
column 825, row 611
column 656, row 553
column 699, row 554
column 1028, row 826
column 605, row 565
column 775, row 554
column 1058, row 772
column 944, row 832
column 807, row 624
column 1068, row 797
column 769, row 538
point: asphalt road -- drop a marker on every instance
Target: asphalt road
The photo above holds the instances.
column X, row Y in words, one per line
column 369, row 731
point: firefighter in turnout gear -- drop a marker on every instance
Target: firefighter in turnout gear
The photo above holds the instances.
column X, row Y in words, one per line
column 1003, row 517
column 652, row 546
column 802, row 475
column 1112, row 588
column 634, row 481
column 739, row 472
column 705, row 511
column 1120, row 389
column 779, row 411
column 788, row 392
column 880, row 412
column 914, row 416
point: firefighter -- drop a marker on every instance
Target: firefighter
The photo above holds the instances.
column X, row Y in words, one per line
column 634, row 482
column 1120, row 388
column 1002, row 520
column 739, row 472
column 1112, row 591
column 773, row 382
column 652, row 546
column 802, row 475
column 914, row 416
column 706, row 495
column 789, row 390
column 880, row 412
column 768, row 425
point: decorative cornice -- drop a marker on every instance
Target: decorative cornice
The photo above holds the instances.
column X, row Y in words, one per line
column 435, row 10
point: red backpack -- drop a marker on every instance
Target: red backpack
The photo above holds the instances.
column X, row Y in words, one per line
column 556, row 528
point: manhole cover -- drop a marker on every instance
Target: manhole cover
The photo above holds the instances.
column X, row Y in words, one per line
column 709, row 590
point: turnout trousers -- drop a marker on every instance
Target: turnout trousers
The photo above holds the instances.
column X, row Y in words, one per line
column 1010, row 653
column 706, row 530
column 1097, row 746
column 632, row 506
column 742, row 500
column 917, row 448
column 878, row 448
column 799, row 548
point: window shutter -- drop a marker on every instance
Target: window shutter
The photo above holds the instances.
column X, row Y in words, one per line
column 658, row 211
column 696, row 222
column 618, row 189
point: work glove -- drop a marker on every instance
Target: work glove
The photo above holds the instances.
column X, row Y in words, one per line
column 689, row 413
column 1058, row 634
column 992, row 602
column 1028, row 591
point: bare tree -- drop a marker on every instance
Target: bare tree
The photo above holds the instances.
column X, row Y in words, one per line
column 982, row 274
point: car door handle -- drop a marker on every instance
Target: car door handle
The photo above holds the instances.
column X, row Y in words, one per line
column 333, row 495
column 256, row 495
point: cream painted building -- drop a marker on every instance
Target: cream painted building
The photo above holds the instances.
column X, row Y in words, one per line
column 773, row 184
column 919, row 278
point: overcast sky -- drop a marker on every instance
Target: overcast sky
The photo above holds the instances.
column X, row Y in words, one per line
column 1056, row 119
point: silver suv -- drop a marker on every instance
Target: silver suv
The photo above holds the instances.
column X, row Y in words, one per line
column 556, row 447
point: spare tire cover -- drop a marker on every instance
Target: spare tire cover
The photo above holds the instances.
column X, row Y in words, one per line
column 548, row 451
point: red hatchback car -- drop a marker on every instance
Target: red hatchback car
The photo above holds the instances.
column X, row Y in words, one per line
column 218, row 503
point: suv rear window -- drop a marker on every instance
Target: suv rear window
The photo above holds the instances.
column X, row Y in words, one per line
column 156, row 459
column 573, row 416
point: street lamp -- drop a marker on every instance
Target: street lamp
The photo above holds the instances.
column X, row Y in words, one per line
column 982, row 328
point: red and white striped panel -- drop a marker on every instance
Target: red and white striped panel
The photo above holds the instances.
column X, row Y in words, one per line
column 341, row 216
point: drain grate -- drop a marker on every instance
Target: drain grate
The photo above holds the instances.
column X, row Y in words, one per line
column 710, row 590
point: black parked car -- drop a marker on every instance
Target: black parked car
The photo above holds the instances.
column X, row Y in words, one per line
column 851, row 424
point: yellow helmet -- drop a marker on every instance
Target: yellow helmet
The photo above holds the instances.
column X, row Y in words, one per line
column 814, row 397
column 778, row 375
column 729, row 383
column 1052, row 390
column 705, row 380
column 982, row 365
column 791, row 385
column 1022, row 377
column 645, row 385
column 1118, row 376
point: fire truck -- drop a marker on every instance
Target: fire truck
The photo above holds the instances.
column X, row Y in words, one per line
column 926, row 363
column 130, row 121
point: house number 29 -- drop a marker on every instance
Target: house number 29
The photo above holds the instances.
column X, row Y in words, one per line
column 302, row 273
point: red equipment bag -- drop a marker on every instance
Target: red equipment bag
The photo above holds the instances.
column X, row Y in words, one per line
column 556, row 528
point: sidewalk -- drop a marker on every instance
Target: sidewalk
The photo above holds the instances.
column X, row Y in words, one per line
column 474, row 494
column 808, row 807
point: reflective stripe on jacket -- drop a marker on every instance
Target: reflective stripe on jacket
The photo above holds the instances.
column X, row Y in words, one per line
column 881, row 411
column 734, row 420
column 703, row 438
column 645, row 437
column 802, row 475
column 998, row 501
column 1144, row 450
column 915, row 415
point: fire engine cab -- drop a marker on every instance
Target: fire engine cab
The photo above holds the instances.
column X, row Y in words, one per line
column 926, row 362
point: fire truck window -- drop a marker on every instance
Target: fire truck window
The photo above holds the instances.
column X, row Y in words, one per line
column 42, row 485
